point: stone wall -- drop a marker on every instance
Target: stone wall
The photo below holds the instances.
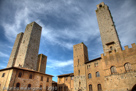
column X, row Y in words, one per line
column 65, row 81
column 11, row 79
column 91, row 68
column 5, row 81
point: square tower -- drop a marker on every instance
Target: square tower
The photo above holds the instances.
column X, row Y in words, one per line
column 109, row 37
column 41, row 63
column 15, row 49
column 29, row 47
column 80, row 55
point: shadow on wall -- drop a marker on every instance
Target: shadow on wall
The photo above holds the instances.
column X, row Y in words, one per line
column 63, row 87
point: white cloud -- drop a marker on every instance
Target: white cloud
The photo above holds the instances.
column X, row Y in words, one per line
column 3, row 54
column 59, row 64
column 27, row 13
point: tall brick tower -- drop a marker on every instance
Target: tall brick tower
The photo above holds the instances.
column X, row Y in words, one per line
column 15, row 49
column 109, row 37
column 26, row 48
column 41, row 63
column 80, row 55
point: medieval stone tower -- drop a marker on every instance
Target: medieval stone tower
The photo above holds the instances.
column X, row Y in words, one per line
column 26, row 47
column 80, row 55
column 109, row 37
column 41, row 63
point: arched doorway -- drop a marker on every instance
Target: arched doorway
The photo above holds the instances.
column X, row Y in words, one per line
column 134, row 88
column 79, row 90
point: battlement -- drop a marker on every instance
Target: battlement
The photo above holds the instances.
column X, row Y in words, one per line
column 119, row 50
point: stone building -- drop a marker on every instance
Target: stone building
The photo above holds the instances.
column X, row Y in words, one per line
column 26, row 69
column 114, row 70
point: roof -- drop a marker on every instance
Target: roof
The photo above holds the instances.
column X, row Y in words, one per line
column 93, row 60
column 25, row 70
column 70, row 74
column 54, row 82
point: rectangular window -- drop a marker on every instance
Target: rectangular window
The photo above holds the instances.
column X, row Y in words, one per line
column 88, row 66
column 96, row 64
column 47, row 79
column 3, row 74
column 41, row 78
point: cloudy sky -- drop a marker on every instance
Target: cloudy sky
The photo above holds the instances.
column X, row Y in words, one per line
column 64, row 24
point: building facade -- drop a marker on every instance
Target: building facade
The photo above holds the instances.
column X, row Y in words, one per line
column 115, row 70
column 26, row 69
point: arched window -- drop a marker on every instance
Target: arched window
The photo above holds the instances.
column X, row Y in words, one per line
column 89, row 76
column 90, row 88
column 29, row 86
column 99, row 87
column 17, row 85
column 127, row 66
column 20, row 74
column 30, row 76
column 113, row 70
column 97, row 74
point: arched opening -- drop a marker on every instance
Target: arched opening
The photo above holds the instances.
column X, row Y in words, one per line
column 29, row 86
column 134, row 88
column 99, row 87
column 127, row 67
column 113, row 70
column 90, row 87
column 100, row 5
column 17, row 85
column 79, row 90
column 40, row 87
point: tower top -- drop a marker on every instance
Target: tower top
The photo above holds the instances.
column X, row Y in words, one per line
column 100, row 5
column 109, row 36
